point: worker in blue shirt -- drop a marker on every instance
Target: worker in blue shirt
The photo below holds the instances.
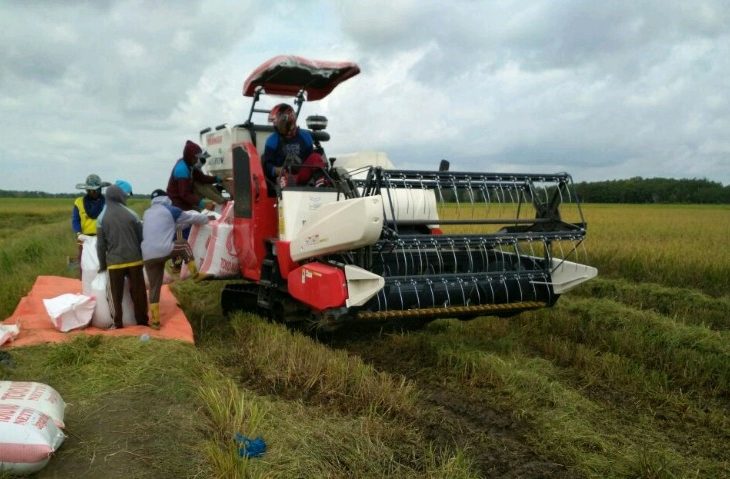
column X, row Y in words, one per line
column 289, row 157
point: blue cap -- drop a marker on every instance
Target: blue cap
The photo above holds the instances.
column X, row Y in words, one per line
column 125, row 186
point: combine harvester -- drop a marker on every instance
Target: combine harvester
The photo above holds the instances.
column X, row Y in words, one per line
column 379, row 244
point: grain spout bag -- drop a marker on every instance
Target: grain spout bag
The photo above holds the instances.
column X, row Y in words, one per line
column 221, row 259
column 199, row 238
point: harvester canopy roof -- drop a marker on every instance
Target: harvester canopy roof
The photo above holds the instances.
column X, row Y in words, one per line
column 286, row 75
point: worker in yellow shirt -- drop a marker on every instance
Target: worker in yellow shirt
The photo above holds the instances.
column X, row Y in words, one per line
column 87, row 208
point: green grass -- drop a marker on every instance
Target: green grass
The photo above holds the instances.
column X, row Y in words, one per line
column 603, row 413
column 626, row 377
column 130, row 405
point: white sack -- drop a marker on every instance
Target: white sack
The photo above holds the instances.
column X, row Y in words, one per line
column 102, row 317
column 198, row 239
column 28, row 437
column 70, row 311
column 221, row 259
column 8, row 332
column 89, row 263
column 39, row 396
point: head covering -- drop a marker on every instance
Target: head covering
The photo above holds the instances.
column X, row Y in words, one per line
column 93, row 182
column 114, row 194
column 191, row 152
column 157, row 193
column 284, row 119
column 125, row 186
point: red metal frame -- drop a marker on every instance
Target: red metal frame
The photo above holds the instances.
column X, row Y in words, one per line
column 251, row 234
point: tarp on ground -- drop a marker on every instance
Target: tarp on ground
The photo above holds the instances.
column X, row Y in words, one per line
column 36, row 327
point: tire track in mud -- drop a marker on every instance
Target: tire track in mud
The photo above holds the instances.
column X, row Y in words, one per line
column 453, row 416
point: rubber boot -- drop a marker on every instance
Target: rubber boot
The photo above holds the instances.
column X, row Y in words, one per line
column 192, row 269
column 155, row 315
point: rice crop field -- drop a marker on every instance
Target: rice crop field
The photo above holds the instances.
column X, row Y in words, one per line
column 628, row 376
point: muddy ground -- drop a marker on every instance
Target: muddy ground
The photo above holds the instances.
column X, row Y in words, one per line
column 452, row 414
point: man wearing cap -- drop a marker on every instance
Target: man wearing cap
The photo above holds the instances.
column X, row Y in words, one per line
column 118, row 247
column 159, row 227
column 87, row 208
column 181, row 187
column 125, row 186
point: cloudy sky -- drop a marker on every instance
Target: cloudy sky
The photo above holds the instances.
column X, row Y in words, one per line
column 602, row 90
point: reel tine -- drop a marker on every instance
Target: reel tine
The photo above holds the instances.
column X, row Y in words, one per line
column 532, row 247
column 397, row 256
column 548, row 289
column 415, row 290
column 485, row 254
column 465, row 300
column 468, row 253
column 489, row 282
column 512, row 191
column 503, row 280
column 456, row 196
column 441, row 195
column 471, row 196
column 503, row 199
column 560, row 247
column 453, row 252
column 476, row 288
column 400, row 294
column 423, row 188
column 446, row 288
column 433, row 296
column 420, row 258
column 485, row 194
column 534, row 289
column 437, row 248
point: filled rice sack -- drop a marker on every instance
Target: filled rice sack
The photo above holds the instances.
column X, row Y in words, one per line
column 28, row 438
column 36, row 395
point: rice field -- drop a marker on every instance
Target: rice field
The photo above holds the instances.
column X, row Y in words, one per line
column 675, row 245
column 628, row 376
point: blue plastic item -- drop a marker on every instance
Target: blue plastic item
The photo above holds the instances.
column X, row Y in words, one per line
column 248, row 447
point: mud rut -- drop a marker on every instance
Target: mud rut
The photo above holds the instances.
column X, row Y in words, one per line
column 452, row 414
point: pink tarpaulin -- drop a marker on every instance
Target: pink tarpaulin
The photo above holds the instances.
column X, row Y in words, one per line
column 36, row 327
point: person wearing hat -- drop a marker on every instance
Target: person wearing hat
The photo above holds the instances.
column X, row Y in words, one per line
column 87, row 208
column 125, row 186
column 118, row 246
column 186, row 181
column 126, row 189
column 160, row 225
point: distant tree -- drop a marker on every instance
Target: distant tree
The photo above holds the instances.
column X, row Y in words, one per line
column 653, row 190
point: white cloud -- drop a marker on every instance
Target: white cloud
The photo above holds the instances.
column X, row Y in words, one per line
column 607, row 90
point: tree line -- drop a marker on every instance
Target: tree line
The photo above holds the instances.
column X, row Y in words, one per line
column 632, row 190
column 43, row 194
column 653, row 190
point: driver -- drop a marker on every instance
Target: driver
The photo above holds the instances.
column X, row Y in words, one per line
column 289, row 157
